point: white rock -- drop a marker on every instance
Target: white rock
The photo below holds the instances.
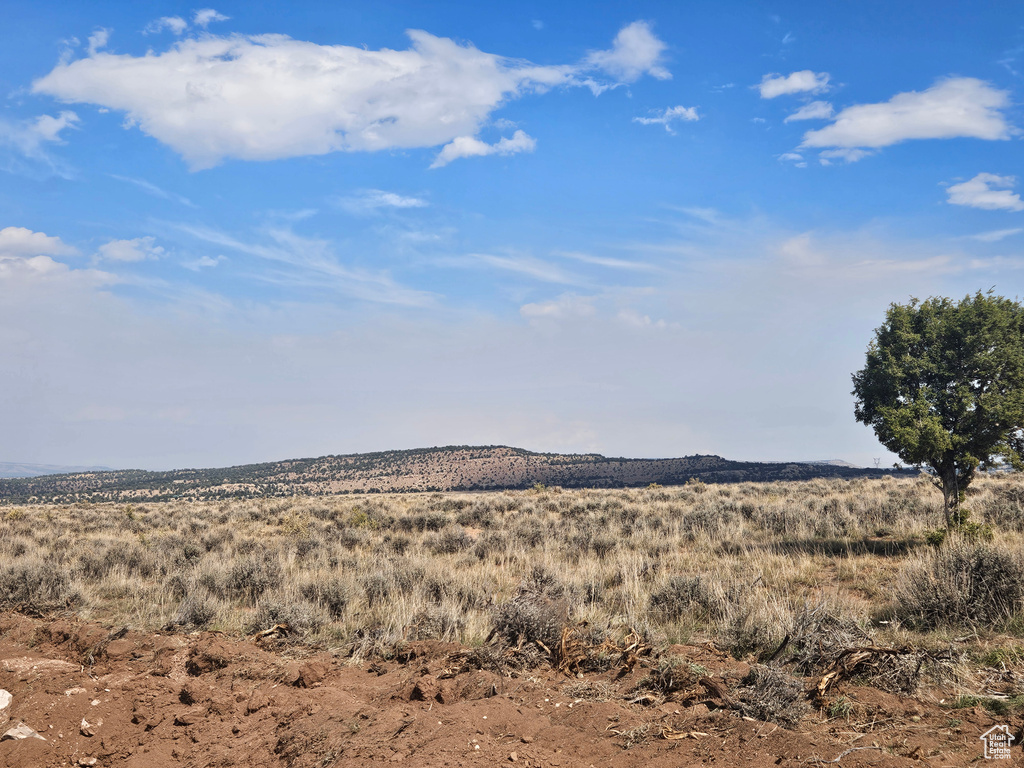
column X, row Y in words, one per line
column 5, row 706
column 20, row 731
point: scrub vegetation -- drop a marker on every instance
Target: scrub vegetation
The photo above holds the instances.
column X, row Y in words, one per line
column 749, row 567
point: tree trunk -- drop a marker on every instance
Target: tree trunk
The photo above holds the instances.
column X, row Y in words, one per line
column 950, row 498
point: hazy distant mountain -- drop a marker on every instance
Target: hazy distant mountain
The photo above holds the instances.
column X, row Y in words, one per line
column 831, row 463
column 14, row 469
column 453, row 468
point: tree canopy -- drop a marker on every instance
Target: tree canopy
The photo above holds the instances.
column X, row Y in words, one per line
column 943, row 387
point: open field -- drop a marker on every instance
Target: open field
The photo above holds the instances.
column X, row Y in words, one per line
column 795, row 604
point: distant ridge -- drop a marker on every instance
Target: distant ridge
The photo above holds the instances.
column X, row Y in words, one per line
column 451, row 468
column 17, row 469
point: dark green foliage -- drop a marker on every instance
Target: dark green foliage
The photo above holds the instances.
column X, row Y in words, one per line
column 943, row 387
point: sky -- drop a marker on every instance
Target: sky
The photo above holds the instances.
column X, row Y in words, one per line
column 266, row 231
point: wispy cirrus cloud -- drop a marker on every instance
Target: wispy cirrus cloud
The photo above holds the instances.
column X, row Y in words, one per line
column 27, row 142
column 995, row 235
column 154, row 190
column 368, row 201
column 815, row 110
column 312, row 263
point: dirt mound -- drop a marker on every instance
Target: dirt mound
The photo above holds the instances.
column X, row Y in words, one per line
column 104, row 698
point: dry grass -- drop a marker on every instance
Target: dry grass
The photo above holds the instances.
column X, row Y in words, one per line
column 735, row 564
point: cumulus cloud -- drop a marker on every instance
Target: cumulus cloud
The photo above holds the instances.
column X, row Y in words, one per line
column 204, row 17
column 98, row 40
column 804, row 81
column 174, row 24
column 375, row 200
column 952, row 108
column 636, row 51
column 21, row 242
column 469, row 146
column 267, row 97
column 816, row 110
column 668, row 115
column 987, row 191
column 136, row 249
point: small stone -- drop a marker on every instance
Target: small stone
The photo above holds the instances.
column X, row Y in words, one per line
column 526, row 739
column 5, row 705
column 20, row 731
column 87, row 761
column 513, row 757
column 89, row 729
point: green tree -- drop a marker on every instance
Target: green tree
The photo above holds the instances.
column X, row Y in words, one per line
column 944, row 388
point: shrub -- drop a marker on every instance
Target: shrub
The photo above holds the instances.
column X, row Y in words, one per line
column 332, row 594
column 195, row 611
column 682, row 595
column 537, row 613
column 252, row 575
column 770, row 694
column 36, row 586
column 963, row 584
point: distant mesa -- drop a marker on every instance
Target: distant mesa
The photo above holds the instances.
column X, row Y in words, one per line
column 449, row 468
column 15, row 469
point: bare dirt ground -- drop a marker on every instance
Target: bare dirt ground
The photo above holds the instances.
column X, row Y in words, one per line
column 149, row 699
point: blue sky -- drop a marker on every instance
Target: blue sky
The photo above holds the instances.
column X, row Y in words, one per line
column 249, row 232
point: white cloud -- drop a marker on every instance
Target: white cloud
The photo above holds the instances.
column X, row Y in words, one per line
column 634, row 319
column 794, row 157
column 567, row 306
column 952, row 108
column 28, row 140
column 22, row 242
column 206, row 16
column 203, row 262
column 996, row 235
column 468, row 146
column 849, row 155
column 804, row 81
column 373, row 200
column 529, row 266
column 987, row 191
column 268, row 96
column 816, row 110
column 98, row 40
column 668, row 115
column 310, row 263
column 175, row 24
column 136, row 249
column 636, row 51
column 605, row 261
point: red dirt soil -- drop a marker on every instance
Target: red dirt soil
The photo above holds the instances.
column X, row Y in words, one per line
column 151, row 699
